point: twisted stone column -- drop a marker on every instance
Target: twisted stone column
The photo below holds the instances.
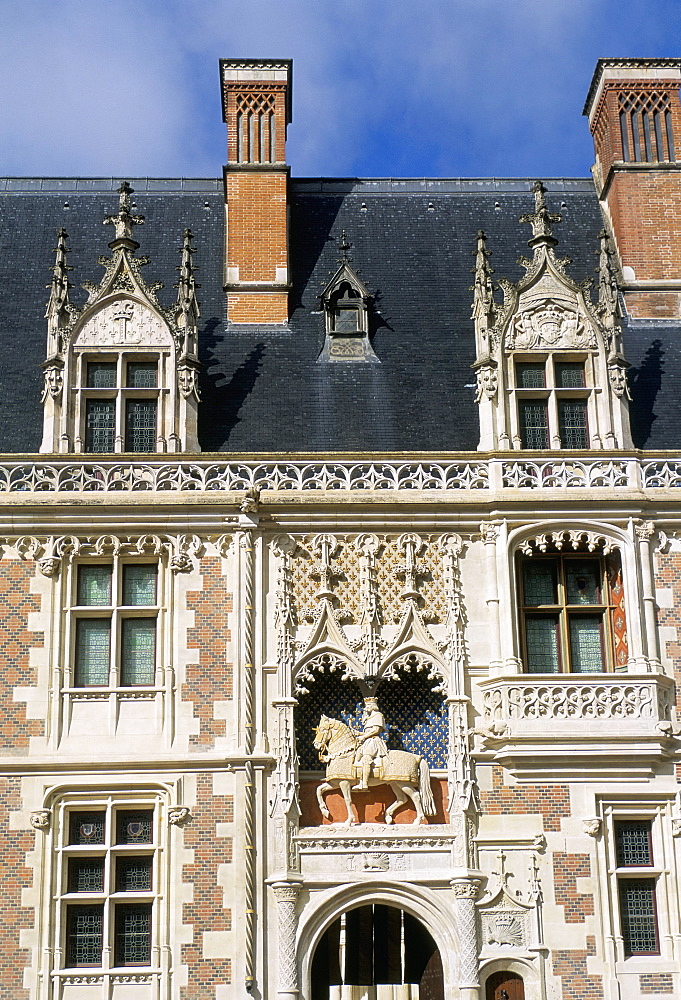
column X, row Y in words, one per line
column 286, row 894
column 465, row 891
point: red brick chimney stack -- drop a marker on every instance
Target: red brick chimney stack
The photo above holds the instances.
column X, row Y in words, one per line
column 256, row 101
column 635, row 119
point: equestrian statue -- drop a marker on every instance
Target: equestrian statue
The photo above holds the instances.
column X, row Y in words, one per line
column 357, row 760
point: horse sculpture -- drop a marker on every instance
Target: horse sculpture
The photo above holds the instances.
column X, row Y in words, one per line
column 406, row 773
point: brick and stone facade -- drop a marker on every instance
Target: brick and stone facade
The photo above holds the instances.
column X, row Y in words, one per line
column 184, row 635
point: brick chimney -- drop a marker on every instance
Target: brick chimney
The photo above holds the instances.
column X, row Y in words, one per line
column 635, row 119
column 256, row 101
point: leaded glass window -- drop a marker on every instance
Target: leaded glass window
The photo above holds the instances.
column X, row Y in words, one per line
column 84, row 932
column 534, row 423
column 93, row 651
column 567, row 614
column 133, row 934
column 140, row 425
column 105, row 854
column 117, row 645
column 119, row 404
column 100, row 425
column 633, row 843
column 572, row 423
column 552, row 403
column 138, row 650
column 638, row 915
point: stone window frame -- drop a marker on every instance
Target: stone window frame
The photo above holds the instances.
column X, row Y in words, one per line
column 664, row 872
column 563, row 610
column 80, row 393
column 551, row 393
column 117, row 612
column 58, row 852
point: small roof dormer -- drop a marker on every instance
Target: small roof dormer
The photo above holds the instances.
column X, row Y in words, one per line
column 345, row 303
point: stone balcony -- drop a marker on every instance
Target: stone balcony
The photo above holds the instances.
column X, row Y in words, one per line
column 578, row 725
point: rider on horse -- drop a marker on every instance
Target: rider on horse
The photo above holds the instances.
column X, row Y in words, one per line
column 371, row 747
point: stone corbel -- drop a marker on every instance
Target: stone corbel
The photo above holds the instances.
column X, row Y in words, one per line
column 185, row 549
column 592, row 826
column 40, row 819
column 178, row 815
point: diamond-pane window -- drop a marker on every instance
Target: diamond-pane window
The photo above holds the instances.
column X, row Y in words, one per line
column 100, row 423
column 541, row 640
column 140, row 425
column 534, row 423
column 586, row 644
column 86, row 875
column 633, row 843
column 133, row 934
column 142, row 374
column 572, row 423
column 569, row 375
column 133, row 874
column 639, row 916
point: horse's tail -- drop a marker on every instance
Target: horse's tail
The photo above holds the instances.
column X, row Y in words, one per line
column 425, row 791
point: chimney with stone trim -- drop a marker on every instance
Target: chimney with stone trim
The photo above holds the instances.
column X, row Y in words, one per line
column 256, row 101
column 635, row 119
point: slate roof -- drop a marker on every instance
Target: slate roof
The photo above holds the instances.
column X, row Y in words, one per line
column 262, row 388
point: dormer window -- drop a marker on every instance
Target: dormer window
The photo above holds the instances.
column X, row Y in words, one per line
column 121, row 371
column 119, row 404
column 552, row 403
column 346, row 307
column 345, row 302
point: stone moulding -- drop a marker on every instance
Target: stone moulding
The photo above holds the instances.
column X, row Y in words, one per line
column 479, row 475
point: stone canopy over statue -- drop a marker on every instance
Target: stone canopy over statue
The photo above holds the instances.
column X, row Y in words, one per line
column 359, row 760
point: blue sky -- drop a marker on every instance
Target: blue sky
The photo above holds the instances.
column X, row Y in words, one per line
column 381, row 87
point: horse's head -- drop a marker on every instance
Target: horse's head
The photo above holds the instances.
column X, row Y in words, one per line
column 322, row 733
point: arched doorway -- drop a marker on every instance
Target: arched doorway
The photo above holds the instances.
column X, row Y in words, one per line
column 377, row 952
column 505, row 986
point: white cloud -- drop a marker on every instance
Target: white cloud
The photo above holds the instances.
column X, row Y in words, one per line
column 380, row 86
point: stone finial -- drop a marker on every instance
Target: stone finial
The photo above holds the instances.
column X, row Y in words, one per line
column 607, row 275
column 58, row 302
column 484, row 309
column 187, row 303
column 541, row 219
column 344, row 246
column 124, row 221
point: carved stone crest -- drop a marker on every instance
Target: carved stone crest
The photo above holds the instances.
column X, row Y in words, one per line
column 550, row 325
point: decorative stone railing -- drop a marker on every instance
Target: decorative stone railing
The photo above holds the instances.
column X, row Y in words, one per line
column 167, row 473
column 526, row 704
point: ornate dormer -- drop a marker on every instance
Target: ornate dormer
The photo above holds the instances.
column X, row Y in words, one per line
column 550, row 369
column 121, row 371
column 345, row 302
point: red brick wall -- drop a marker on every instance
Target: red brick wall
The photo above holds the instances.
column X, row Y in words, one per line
column 656, row 982
column 645, row 208
column 14, row 877
column 567, row 868
column 551, row 801
column 15, row 645
column 210, row 679
column 257, row 307
column 206, row 912
column 571, row 967
column 668, row 575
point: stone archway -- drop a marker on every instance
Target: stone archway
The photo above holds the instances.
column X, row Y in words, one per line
column 379, row 952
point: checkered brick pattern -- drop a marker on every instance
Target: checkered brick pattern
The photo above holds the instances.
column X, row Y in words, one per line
column 211, row 679
column 567, row 868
